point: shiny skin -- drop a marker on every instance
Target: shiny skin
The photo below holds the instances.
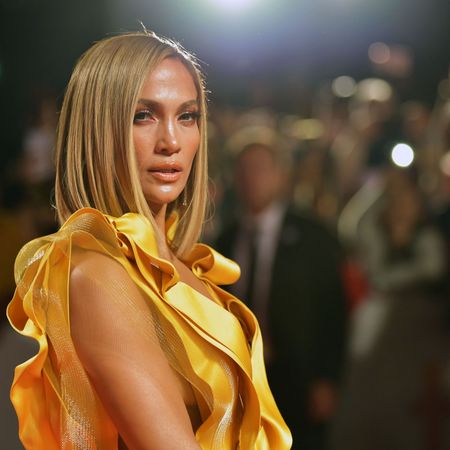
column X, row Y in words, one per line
column 166, row 133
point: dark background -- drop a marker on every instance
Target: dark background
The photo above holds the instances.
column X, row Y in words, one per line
column 270, row 42
column 279, row 54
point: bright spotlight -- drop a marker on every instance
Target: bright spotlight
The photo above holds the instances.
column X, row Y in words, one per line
column 234, row 5
column 343, row 86
column 402, row 155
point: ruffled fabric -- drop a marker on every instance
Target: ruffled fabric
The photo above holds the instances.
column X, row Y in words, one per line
column 220, row 352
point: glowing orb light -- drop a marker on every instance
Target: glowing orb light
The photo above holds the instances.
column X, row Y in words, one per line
column 343, row 86
column 379, row 53
column 402, row 155
column 374, row 89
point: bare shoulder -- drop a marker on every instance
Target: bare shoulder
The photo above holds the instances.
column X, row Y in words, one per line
column 102, row 291
column 88, row 265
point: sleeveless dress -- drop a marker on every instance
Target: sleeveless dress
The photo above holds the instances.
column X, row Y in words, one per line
column 214, row 344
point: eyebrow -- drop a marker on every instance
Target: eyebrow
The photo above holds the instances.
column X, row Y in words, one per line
column 155, row 105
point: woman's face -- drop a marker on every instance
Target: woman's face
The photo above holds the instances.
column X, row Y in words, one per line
column 166, row 132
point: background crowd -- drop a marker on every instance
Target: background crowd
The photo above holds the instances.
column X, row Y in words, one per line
column 334, row 197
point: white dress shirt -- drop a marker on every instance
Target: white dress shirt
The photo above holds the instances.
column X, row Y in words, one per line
column 267, row 225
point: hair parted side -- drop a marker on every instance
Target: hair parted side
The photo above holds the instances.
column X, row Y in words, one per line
column 95, row 156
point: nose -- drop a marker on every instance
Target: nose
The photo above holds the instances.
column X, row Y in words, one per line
column 168, row 141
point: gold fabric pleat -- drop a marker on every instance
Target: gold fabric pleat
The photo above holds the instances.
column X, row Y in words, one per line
column 215, row 345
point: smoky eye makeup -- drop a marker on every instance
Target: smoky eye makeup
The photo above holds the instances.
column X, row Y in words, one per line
column 142, row 115
column 190, row 116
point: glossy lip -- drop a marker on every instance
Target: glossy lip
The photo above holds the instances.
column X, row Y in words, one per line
column 168, row 172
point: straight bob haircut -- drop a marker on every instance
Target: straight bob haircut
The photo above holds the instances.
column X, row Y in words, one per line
column 95, row 156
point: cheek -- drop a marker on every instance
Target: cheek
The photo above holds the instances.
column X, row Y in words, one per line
column 193, row 146
column 139, row 157
column 137, row 147
column 141, row 145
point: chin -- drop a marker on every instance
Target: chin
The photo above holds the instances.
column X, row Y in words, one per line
column 162, row 199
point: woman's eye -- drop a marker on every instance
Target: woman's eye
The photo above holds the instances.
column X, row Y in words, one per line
column 191, row 116
column 142, row 116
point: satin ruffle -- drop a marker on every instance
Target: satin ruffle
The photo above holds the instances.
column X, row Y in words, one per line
column 225, row 329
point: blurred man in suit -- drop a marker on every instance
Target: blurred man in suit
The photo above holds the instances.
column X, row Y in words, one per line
column 291, row 280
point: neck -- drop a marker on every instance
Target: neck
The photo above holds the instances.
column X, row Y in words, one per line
column 159, row 214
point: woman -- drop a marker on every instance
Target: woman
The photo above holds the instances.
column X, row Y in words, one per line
column 138, row 346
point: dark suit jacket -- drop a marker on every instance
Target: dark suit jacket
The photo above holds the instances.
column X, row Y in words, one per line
column 307, row 307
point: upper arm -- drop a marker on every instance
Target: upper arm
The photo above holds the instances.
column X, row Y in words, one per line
column 114, row 334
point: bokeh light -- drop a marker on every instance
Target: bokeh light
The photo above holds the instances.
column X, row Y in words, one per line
column 402, row 155
column 445, row 164
column 379, row 53
column 374, row 89
column 343, row 86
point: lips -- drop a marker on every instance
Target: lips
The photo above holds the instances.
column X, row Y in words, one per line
column 166, row 172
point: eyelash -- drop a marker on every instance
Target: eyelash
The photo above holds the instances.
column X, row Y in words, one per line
column 142, row 115
column 193, row 115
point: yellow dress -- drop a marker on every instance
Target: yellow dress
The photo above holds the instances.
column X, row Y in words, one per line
column 214, row 345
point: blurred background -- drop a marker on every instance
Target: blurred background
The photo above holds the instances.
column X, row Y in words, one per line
column 350, row 99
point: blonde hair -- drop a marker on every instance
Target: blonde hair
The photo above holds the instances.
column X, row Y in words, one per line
column 95, row 157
